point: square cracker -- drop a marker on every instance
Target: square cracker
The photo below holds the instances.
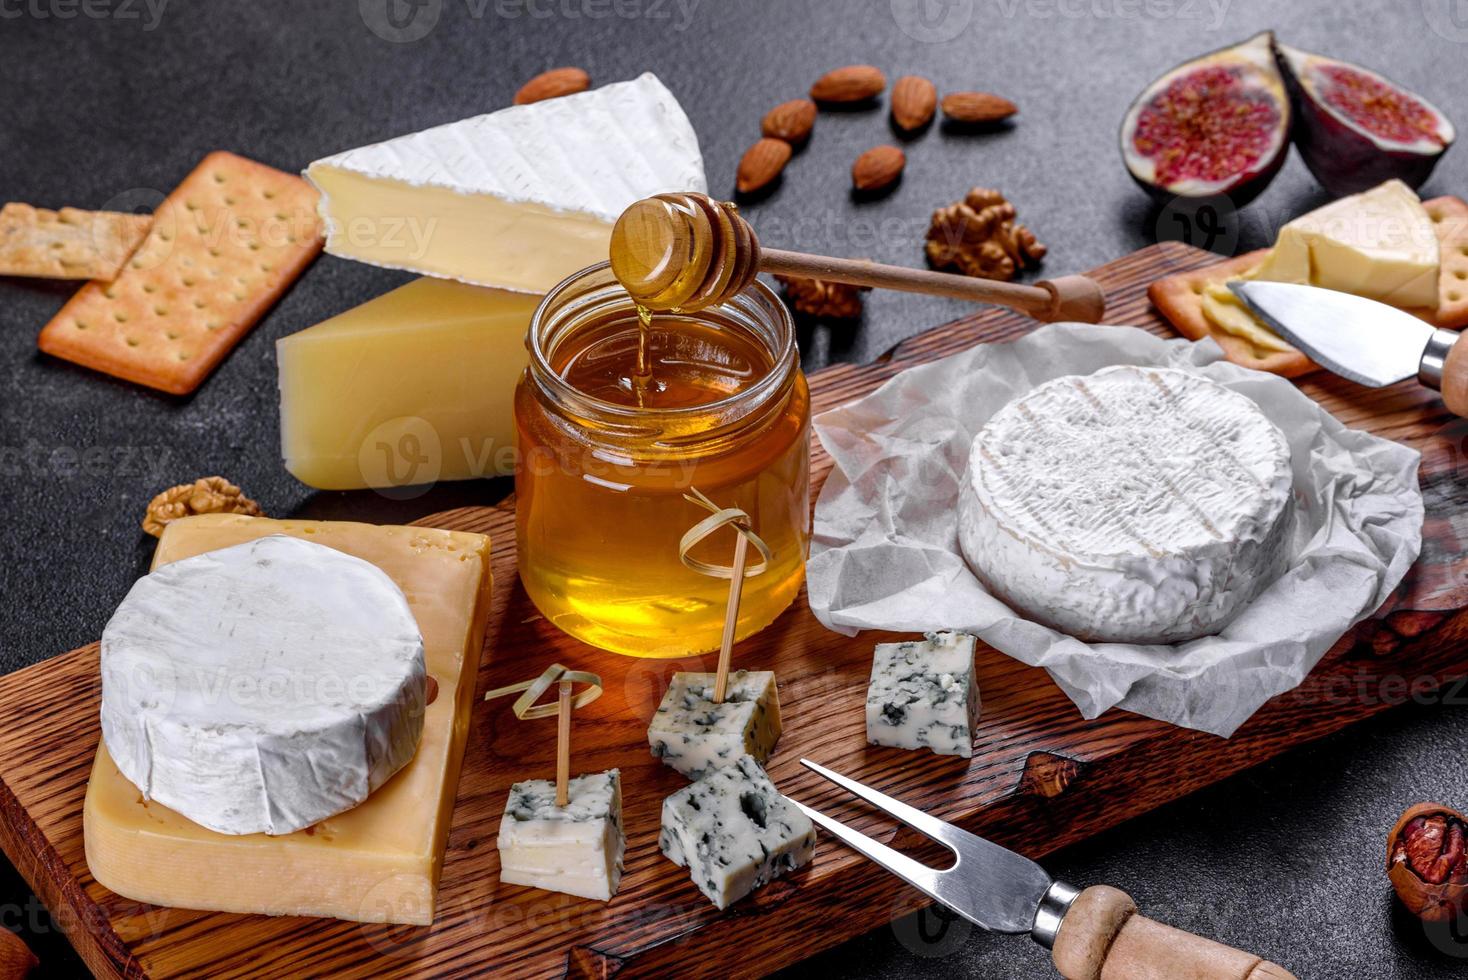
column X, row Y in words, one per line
column 1180, row 297
column 67, row 244
column 223, row 247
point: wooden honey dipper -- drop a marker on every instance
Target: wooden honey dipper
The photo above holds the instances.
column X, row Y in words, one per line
column 687, row 251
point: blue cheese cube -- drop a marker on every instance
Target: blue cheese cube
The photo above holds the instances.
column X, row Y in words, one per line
column 577, row 848
column 734, row 832
column 923, row 695
column 694, row 735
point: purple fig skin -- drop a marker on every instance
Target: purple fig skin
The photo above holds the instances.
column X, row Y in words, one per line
column 1246, row 187
column 1342, row 159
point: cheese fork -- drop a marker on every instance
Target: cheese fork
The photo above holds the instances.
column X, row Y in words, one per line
column 1095, row 934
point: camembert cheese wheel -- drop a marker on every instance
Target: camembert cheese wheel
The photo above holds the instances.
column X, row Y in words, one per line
column 263, row 687
column 1134, row 505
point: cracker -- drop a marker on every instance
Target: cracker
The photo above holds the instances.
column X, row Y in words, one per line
column 1450, row 220
column 1180, row 297
column 67, row 244
column 224, row 246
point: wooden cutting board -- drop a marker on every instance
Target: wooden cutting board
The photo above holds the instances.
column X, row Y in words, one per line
column 1041, row 778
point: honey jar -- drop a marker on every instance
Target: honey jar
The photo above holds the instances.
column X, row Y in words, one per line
column 619, row 420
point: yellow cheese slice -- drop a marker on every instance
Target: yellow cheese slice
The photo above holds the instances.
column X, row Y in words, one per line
column 413, row 387
column 378, row 862
column 1379, row 244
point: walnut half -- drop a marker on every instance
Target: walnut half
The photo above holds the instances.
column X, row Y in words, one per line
column 817, row 297
column 979, row 237
column 207, row 495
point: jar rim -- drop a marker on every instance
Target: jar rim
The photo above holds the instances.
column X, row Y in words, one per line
column 784, row 356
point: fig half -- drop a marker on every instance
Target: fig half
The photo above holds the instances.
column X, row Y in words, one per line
column 1356, row 129
column 1218, row 124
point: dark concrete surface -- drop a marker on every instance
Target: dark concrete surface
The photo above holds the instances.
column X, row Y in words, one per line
column 111, row 102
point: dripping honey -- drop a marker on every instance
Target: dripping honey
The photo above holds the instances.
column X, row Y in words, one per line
column 617, row 418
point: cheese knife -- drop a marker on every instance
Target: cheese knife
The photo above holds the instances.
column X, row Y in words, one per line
column 1370, row 343
column 1095, row 934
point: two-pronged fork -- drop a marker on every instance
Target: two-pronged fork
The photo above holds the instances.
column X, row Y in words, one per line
column 1096, row 934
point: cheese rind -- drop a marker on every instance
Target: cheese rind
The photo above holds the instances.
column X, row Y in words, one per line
column 692, row 734
column 1134, row 505
column 576, row 849
column 517, row 199
column 1380, row 244
column 923, row 694
column 734, row 832
column 377, row 862
column 412, row 387
column 262, row 687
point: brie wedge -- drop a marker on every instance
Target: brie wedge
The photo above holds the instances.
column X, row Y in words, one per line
column 519, row 198
column 263, row 687
column 1136, row 505
column 1380, row 244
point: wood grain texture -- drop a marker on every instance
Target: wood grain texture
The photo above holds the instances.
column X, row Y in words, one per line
column 1041, row 777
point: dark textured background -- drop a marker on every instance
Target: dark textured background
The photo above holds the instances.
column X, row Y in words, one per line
column 111, row 103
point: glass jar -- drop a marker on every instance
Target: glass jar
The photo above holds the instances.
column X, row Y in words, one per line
column 605, row 461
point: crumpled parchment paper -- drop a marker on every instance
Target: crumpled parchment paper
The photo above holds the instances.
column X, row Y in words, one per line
column 885, row 552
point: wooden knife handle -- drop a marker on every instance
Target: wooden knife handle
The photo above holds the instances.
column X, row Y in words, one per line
column 1455, row 380
column 1103, row 937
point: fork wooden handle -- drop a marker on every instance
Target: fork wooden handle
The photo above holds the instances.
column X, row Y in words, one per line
column 1104, row 937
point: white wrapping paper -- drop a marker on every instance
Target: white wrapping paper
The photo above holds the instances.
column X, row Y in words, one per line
column 885, row 553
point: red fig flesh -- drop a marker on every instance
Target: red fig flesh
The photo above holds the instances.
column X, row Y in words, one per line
column 1356, row 128
column 1218, row 124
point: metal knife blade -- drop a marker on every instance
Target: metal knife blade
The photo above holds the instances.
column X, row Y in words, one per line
column 1368, row 342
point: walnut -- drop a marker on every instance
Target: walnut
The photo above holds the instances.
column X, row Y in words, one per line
column 979, row 237
column 817, row 297
column 208, row 495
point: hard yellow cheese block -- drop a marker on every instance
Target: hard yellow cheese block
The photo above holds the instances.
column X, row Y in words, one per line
column 1379, row 244
column 412, row 387
column 378, row 862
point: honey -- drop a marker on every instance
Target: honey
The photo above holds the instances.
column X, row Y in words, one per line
column 618, row 417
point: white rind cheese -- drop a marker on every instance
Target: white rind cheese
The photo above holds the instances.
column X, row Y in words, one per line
column 519, row 198
column 1134, row 505
column 692, row 734
column 263, row 687
column 923, row 695
column 576, row 849
column 734, row 832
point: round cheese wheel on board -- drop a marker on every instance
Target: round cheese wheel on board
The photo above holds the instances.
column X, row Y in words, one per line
column 263, row 687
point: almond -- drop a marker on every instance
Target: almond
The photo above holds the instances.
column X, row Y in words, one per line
column 877, row 168
column 790, row 121
column 854, row 83
column 977, row 107
column 914, row 99
column 553, row 84
column 761, row 164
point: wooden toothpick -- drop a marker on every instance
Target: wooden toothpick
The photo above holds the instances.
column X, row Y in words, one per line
column 525, row 709
column 736, row 574
column 731, row 617
column 563, row 745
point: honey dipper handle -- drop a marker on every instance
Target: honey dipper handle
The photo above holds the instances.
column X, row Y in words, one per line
column 1066, row 298
column 1104, row 937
